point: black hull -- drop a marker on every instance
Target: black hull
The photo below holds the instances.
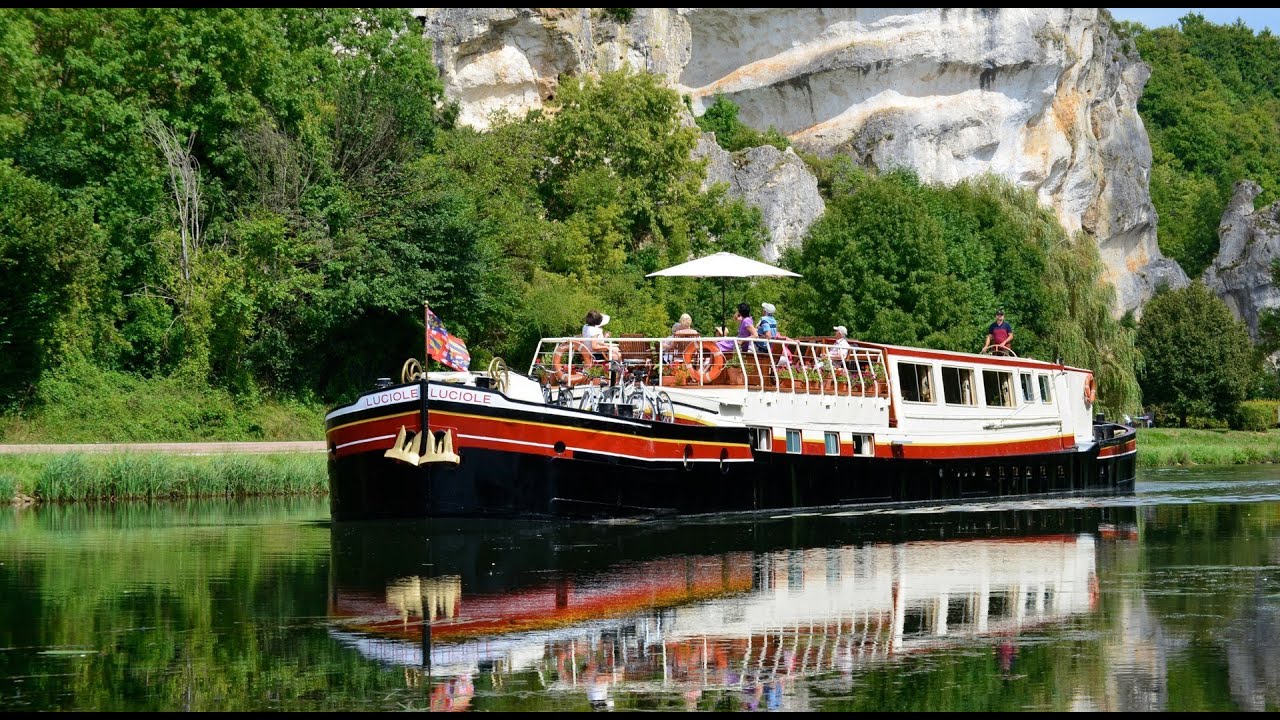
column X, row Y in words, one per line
column 492, row 483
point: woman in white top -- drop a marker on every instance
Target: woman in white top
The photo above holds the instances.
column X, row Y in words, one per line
column 593, row 332
column 839, row 351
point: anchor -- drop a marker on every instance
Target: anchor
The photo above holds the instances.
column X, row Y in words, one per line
column 414, row 451
column 406, row 449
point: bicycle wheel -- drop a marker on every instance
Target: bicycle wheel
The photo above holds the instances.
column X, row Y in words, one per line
column 664, row 408
column 590, row 400
column 635, row 398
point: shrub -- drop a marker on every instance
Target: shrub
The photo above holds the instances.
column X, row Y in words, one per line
column 1256, row 415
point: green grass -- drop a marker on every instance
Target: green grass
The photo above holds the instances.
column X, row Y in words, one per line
column 1163, row 447
column 129, row 476
column 77, row 405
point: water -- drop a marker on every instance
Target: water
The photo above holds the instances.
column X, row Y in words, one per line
column 1168, row 599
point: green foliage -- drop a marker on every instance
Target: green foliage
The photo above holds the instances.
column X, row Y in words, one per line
column 52, row 282
column 622, row 15
column 1164, row 447
column 1198, row 359
column 78, row 403
column 732, row 134
column 336, row 198
column 1256, row 415
column 1212, row 109
column 900, row 262
column 125, row 476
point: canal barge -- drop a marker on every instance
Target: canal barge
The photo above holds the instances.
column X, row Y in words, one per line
column 694, row 426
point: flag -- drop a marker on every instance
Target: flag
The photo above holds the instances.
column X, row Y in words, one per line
column 445, row 348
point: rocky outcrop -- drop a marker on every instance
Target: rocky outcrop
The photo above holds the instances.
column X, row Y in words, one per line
column 1249, row 245
column 1043, row 97
column 775, row 181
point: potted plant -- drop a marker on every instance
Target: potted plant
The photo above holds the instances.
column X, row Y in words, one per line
column 733, row 374
column 793, row 379
column 873, row 380
column 679, row 375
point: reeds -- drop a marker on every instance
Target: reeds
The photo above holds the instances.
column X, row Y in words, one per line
column 76, row 478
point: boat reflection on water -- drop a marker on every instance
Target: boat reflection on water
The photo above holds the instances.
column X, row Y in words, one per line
column 677, row 610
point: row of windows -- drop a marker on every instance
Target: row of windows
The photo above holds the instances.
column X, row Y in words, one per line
column 915, row 382
column 862, row 444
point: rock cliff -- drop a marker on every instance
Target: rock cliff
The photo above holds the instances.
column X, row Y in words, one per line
column 1250, row 245
column 1043, row 97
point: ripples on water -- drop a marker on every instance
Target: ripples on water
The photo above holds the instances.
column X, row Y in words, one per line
column 1164, row 599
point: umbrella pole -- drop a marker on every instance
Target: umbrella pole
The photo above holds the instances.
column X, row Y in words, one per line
column 724, row 322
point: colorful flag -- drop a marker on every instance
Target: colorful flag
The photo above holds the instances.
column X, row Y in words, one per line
column 445, row 348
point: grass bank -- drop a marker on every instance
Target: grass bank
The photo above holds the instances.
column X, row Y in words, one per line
column 84, row 405
column 1164, row 447
column 128, row 476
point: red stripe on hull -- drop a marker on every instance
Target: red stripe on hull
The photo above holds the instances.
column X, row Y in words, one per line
column 961, row 450
column 983, row 360
column 532, row 438
column 1123, row 448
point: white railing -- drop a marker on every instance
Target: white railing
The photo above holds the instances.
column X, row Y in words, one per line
column 814, row 365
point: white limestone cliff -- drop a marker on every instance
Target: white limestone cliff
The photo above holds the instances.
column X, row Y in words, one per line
column 1045, row 98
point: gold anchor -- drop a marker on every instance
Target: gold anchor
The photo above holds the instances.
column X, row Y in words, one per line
column 405, row 450
column 412, row 450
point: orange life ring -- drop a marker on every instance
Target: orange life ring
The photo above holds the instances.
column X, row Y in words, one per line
column 700, row 366
column 579, row 356
column 1090, row 390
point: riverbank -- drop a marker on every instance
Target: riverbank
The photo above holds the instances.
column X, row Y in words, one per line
column 77, row 477
column 85, row 475
column 1166, row 447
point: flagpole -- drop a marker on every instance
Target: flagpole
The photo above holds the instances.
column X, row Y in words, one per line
column 423, row 389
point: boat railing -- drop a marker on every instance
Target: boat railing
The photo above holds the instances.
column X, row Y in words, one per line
column 813, row 366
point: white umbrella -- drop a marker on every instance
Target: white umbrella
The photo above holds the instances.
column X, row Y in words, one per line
column 723, row 265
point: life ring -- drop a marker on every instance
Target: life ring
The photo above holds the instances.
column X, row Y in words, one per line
column 700, row 367
column 579, row 356
column 1090, row 390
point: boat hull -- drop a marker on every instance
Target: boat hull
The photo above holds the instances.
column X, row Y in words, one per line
column 549, row 463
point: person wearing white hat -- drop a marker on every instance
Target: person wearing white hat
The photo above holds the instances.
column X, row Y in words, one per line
column 593, row 332
column 839, row 350
column 768, row 324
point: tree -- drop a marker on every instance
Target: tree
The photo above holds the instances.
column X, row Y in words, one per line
column 1198, row 359
column 52, row 280
column 900, row 262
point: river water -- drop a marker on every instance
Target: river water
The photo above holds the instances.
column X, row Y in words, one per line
column 1167, row 599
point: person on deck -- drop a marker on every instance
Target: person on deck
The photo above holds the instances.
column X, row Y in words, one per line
column 593, row 332
column 746, row 329
column 672, row 346
column 768, row 328
column 999, row 336
column 839, row 350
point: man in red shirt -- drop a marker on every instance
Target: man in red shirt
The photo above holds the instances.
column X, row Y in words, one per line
column 999, row 336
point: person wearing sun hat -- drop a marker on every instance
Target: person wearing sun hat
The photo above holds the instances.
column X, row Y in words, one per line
column 839, row 350
column 768, row 324
column 593, row 332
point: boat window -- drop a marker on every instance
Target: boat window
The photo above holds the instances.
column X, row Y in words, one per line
column 763, row 438
column 998, row 388
column 793, row 441
column 915, row 382
column 1046, row 395
column 957, row 386
column 864, row 445
column 1028, row 388
column 833, row 443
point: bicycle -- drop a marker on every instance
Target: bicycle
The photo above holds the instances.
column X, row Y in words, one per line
column 647, row 401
